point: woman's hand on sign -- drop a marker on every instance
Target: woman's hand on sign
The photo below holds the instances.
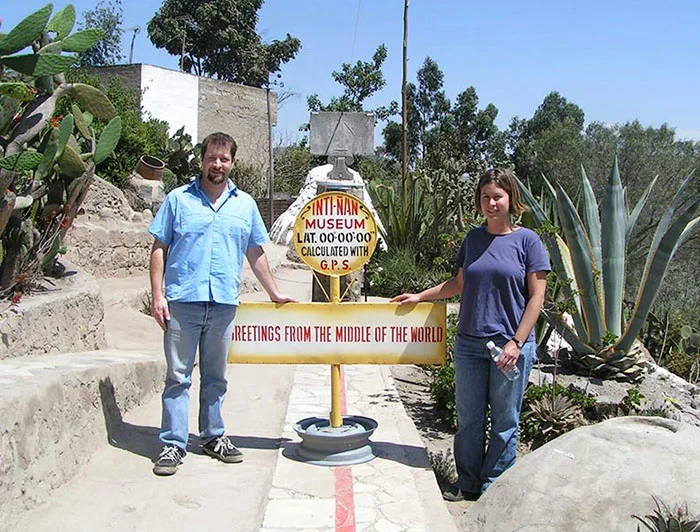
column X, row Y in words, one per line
column 405, row 299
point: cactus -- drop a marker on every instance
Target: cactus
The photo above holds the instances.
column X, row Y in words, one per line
column 93, row 100
column 108, row 140
column 21, row 162
column 38, row 65
column 82, row 41
column 46, row 167
column 25, row 32
column 62, row 22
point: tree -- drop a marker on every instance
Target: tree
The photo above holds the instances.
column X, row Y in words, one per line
column 107, row 16
column 217, row 38
column 549, row 143
column 359, row 81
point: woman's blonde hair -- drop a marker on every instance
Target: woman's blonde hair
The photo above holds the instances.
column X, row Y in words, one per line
column 504, row 179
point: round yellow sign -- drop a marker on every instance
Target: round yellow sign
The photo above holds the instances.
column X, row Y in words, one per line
column 335, row 233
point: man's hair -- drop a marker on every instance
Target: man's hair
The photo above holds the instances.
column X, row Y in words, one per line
column 219, row 139
column 504, row 179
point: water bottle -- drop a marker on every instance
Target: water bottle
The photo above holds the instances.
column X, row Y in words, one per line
column 495, row 352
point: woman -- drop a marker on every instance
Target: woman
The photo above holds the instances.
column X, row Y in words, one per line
column 502, row 279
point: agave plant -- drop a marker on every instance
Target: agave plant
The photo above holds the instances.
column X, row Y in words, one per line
column 400, row 213
column 555, row 415
column 666, row 520
column 590, row 260
column 47, row 163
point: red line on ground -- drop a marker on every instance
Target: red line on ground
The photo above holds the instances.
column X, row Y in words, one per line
column 344, row 500
column 344, row 494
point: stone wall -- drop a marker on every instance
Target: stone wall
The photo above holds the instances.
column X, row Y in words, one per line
column 51, row 428
column 109, row 239
column 67, row 316
column 280, row 205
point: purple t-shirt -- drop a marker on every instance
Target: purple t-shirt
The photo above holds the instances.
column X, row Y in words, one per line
column 494, row 269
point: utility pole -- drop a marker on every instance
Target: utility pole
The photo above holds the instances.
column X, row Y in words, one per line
column 182, row 52
column 134, row 30
column 404, row 117
column 271, row 161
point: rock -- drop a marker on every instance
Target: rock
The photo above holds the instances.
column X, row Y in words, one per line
column 151, row 193
column 106, row 200
column 594, row 478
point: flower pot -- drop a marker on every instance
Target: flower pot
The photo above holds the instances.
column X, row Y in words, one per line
column 150, row 168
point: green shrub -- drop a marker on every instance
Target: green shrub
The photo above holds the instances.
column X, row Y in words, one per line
column 397, row 271
column 291, row 168
column 249, row 178
column 377, row 170
column 673, row 341
column 169, row 180
column 442, row 378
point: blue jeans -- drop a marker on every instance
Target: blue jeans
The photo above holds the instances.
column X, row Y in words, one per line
column 480, row 385
column 209, row 327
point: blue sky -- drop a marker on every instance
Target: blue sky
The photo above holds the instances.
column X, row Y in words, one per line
column 618, row 60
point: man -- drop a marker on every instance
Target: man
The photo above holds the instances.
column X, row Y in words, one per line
column 202, row 231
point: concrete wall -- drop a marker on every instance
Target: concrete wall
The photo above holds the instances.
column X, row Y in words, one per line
column 171, row 96
column 130, row 75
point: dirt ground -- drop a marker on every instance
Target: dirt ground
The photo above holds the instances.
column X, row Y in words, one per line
column 660, row 389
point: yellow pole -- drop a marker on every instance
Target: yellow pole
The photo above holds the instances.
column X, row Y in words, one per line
column 336, row 416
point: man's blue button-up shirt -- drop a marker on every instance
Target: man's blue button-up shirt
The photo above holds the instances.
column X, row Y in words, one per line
column 206, row 243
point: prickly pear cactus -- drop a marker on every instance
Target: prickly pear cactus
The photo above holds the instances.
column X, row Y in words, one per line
column 47, row 163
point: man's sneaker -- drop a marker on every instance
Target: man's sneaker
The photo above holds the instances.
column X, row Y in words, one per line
column 222, row 448
column 454, row 494
column 169, row 459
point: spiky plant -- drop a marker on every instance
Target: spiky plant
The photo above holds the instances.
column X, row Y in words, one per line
column 666, row 520
column 554, row 415
column 590, row 260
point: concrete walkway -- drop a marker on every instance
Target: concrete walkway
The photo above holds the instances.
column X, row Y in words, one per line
column 269, row 491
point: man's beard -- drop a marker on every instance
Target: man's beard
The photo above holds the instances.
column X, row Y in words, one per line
column 215, row 179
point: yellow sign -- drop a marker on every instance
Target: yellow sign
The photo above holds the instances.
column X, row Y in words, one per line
column 335, row 233
column 334, row 333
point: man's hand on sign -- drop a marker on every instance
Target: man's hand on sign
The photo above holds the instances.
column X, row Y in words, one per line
column 160, row 311
column 282, row 298
column 405, row 298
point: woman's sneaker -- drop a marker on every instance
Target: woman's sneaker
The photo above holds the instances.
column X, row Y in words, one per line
column 222, row 448
column 454, row 494
column 169, row 459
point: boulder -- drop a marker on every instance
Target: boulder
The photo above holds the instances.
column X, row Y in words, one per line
column 595, row 478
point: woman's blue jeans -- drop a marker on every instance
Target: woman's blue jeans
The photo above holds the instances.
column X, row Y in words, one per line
column 192, row 325
column 480, row 385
